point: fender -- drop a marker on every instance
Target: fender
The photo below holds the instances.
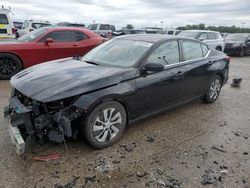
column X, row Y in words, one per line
column 117, row 92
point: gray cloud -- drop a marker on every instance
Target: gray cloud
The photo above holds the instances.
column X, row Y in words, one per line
column 137, row 12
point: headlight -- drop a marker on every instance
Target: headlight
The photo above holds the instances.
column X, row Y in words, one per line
column 236, row 45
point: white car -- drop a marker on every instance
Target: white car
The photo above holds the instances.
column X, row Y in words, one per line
column 7, row 29
column 212, row 38
column 31, row 25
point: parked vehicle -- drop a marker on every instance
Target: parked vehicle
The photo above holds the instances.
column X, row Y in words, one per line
column 68, row 24
column 45, row 44
column 212, row 38
column 7, row 29
column 224, row 35
column 173, row 32
column 128, row 32
column 121, row 81
column 153, row 30
column 238, row 44
column 18, row 25
column 105, row 30
column 31, row 25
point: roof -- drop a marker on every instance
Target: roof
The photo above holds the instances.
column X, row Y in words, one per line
column 201, row 31
column 147, row 37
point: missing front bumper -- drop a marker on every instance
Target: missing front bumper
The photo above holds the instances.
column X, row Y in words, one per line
column 17, row 139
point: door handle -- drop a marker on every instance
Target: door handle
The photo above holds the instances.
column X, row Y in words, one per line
column 179, row 75
column 75, row 45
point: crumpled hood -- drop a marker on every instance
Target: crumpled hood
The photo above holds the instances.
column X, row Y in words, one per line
column 64, row 78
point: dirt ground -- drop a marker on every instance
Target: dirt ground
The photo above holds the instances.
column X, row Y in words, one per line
column 196, row 145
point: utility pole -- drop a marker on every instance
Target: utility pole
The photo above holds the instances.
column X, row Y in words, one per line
column 243, row 24
column 162, row 22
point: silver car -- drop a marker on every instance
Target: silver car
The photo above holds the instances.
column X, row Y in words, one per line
column 105, row 30
column 212, row 38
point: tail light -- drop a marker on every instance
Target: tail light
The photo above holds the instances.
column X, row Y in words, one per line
column 31, row 30
column 13, row 30
column 109, row 34
column 228, row 58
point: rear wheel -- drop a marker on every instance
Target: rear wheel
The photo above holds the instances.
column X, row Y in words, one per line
column 214, row 90
column 9, row 66
column 104, row 125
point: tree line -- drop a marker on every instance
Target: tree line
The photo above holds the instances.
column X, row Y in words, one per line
column 222, row 29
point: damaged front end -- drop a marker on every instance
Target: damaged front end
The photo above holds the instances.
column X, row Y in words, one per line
column 51, row 121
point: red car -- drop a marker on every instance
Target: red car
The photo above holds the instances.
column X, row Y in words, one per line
column 43, row 45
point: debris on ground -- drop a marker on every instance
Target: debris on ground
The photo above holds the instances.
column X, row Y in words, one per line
column 218, row 149
column 128, row 147
column 89, row 179
column 150, row 139
column 70, row 184
column 209, row 178
column 49, row 157
column 236, row 82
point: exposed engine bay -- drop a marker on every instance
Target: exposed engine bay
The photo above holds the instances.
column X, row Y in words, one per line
column 51, row 121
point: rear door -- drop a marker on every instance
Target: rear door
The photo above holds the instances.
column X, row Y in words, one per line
column 196, row 63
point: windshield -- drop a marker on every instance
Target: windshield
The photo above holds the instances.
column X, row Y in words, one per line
column 38, row 25
column 32, row 35
column 189, row 34
column 236, row 37
column 118, row 53
column 3, row 19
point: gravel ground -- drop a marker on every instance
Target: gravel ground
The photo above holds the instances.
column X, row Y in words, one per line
column 195, row 145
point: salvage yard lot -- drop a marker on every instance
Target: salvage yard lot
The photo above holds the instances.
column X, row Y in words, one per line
column 193, row 146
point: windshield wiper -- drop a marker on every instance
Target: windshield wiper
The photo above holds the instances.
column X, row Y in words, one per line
column 91, row 62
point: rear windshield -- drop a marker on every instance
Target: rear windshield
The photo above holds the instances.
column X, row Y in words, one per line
column 3, row 19
column 105, row 27
column 237, row 37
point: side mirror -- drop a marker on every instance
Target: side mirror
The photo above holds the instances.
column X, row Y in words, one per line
column 248, row 41
column 152, row 67
column 48, row 40
column 201, row 39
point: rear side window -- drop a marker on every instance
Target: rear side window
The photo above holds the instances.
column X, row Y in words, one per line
column 203, row 36
column 92, row 27
column 204, row 49
column 3, row 19
column 191, row 50
column 80, row 36
column 170, row 32
column 61, row 36
column 167, row 53
column 212, row 36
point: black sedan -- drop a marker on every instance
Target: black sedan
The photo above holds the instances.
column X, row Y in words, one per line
column 119, row 82
column 237, row 44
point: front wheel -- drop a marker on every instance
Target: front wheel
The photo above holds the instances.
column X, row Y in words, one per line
column 9, row 66
column 104, row 125
column 213, row 91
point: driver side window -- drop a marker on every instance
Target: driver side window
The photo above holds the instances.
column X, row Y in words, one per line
column 166, row 54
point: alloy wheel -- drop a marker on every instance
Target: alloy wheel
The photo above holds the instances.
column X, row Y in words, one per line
column 106, row 125
column 215, row 89
column 8, row 66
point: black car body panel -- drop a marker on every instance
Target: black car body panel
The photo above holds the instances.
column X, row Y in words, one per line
column 60, row 92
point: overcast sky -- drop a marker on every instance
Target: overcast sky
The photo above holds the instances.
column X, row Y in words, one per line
column 137, row 12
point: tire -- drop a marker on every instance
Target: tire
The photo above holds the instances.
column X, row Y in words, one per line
column 242, row 52
column 218, row 48
column 213, row 91
column 9, row 65
column 100, row 134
